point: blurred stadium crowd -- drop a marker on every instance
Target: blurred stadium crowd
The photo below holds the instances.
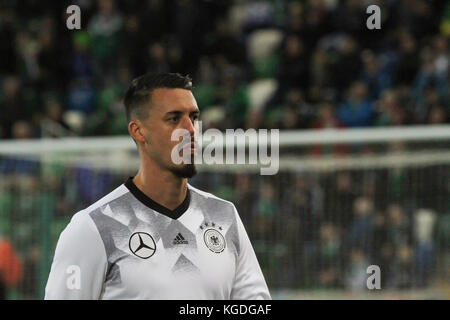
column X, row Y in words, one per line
column 310, row 230
column 255, row 64
column 316, row 230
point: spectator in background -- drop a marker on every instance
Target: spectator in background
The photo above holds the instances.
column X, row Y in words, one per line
column 431, row 85
column 153, row 19
column 418, row 16
column 231, row 93
column 326, row 119
column 318, row 21
column 389, row 110
column 49, row 63
column 376, row 79
column 401, row 272
column 295, row 22
column 438, row 115
column 292, row 112
column 330, row 260
column 346, row 65
column 245, row 197
column 424, row 258
column 223, row 41
column 108, row 115
column 296, row 100
column 8, row 54
column 259, row 14
column 22, row 130
column 356, row 275
column 340, row 196
column 291, row 119
column 82, row 63
column 265, row 208
column 133, row 41
column 441, row 55
column 356, row 110
column 104, row 28
column 157, row 58
column 408, row 60
column 361, row 228
column 397, row 180
column 53, row 122
column 398, row 226
column 81, row 96
column 10, row 267
column 293, row 69
column 383, row 254
column 186, row 27
column 29, row 287
column 264, row 213
column 303, row 209
column 349, row 17
column 305, row 202
column 12, row 105
column 27, row 49
column 319, row 74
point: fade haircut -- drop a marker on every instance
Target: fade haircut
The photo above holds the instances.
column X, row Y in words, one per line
column 140, row 91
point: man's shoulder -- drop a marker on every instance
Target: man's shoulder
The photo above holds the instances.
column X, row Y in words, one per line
column 110, row 197
column 82, row 215
column 211, row 198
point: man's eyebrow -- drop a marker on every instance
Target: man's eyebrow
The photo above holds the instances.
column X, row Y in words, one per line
column 177, row 113
column 173, row 113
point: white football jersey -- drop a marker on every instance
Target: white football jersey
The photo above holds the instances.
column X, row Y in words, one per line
column 126, row 246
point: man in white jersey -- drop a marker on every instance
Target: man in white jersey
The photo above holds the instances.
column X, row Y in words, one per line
column 156, row 236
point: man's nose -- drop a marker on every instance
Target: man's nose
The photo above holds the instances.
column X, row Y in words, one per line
column 189, row 125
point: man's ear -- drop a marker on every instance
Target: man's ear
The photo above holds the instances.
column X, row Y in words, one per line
column 134, row 128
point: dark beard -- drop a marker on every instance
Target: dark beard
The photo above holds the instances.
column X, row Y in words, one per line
column 186, row 171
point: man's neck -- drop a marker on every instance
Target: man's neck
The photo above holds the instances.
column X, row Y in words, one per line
column 162, row 186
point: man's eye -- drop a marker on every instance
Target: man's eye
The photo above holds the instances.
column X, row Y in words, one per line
column 175, row 119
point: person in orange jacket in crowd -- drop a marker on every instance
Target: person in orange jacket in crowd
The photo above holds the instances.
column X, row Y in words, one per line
column 10, row 267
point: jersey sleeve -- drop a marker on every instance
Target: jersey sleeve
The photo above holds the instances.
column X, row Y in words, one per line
column 79, row 264
column 249, row 282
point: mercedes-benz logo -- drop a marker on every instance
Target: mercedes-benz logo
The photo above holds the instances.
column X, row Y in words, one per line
column 142, row 245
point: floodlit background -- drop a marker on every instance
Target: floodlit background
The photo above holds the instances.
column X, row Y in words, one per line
column 375, row 191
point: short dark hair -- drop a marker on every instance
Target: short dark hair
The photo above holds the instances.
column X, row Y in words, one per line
column 140, row 91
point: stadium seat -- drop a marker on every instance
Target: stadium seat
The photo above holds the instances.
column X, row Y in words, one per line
column 75, row 119
column 260, row 91
column 213, row 116
column 263, row 43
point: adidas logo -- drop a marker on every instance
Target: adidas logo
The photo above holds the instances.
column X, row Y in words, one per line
column 179, row 239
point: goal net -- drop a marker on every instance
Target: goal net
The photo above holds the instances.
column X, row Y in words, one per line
column 342, row 200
